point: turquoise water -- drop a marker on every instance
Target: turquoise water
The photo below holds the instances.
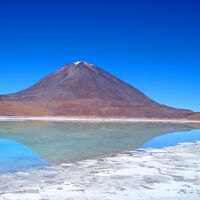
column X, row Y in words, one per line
column 17, row 157
column 30, row 145
column 173, row 139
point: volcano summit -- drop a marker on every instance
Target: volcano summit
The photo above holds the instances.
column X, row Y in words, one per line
column 82, row 89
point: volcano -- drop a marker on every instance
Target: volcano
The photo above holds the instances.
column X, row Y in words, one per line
column 82, row 89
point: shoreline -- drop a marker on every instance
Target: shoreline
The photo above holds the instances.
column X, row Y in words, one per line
column 146, row 175
column 94, row 119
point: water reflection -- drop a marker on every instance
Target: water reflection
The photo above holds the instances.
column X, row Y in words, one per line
column 17, row 157
column 59, row 142
column 172, row 139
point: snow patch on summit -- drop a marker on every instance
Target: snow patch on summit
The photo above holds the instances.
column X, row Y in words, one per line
column 88, row 65
column 78, row 62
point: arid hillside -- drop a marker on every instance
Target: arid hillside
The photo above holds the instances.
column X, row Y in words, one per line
column 82, row 89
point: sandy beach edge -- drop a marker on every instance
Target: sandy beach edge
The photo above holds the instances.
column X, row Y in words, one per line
column 94, row 119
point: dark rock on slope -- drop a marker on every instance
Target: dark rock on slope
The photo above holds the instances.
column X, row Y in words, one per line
column 81, row 89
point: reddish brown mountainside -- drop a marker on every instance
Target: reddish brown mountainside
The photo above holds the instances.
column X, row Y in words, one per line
column 81, row 89
column 195, row 116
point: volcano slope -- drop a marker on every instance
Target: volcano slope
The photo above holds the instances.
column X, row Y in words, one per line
column 82, row 89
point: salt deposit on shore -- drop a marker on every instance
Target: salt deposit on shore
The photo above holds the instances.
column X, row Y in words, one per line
column 93, row 119
column 171, row 173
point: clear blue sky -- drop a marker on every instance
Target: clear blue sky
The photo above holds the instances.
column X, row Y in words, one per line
column 153, row 45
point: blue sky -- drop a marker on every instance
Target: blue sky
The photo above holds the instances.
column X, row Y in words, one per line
column 153, row 45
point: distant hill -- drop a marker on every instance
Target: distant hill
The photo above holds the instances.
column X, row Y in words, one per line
column 195, row 116
column 82, row 89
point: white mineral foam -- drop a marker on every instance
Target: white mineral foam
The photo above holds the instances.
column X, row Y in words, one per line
column 171, row 173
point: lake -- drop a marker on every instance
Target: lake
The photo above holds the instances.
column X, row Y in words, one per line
column 34, row 145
